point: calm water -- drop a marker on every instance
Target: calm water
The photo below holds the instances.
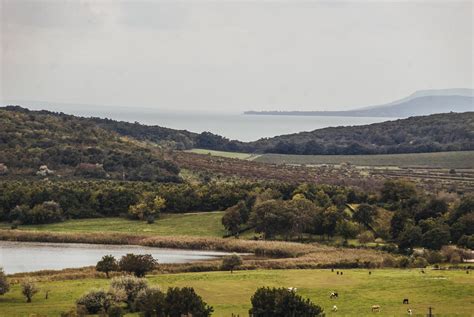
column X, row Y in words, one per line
column 34, row 256
column 231, row 125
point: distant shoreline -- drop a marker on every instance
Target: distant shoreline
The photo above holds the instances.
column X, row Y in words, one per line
column 318, row 113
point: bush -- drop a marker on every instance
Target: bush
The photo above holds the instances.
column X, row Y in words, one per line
column 138, row 264
column 419, row 262
column 107, row 264
column 46, row 212
column 95, row 301
column 150, row 302
column 366, row 237
column 466, row 241
column 184, row 301
column 28, row 289
column 115, row 311
column 230, row 262
column 4, row 285
column 433, row 257
column 280, row 302
column 130, row 285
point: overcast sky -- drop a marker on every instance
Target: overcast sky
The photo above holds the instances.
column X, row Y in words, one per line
column 233, row 55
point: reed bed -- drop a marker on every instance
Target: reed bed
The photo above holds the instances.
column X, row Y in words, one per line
column 260, row 248
column 261, row 254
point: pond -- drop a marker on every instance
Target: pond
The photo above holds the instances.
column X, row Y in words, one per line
column 18, row 257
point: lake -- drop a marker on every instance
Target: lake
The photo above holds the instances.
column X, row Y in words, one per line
column 236, row 126
column 18, row 257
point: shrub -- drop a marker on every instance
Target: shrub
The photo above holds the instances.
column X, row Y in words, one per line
column 366, row 237
column 28, row 289
column 281, row 302
column 230, row 262
column 184, row 301
column 138, row 264
column 150, row 302
column 95, row 301
column 4, row 285
column 130, row 285
column 46, row 212
column 433, row 256
column 467, row 241
column 115, row 311
column 148, row 207
column 107, row 264
column 419, row 262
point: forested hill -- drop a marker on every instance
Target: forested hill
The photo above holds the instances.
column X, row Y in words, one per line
column 69, row 146
column 434, row 133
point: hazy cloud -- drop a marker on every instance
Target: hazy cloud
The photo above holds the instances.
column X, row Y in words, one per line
column 233, row 55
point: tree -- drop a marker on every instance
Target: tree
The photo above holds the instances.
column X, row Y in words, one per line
column 232, row 220
column 435, row 238
column 347, row 229
column 4, row 285
column 138, row 264
column 150, row 302
column 28, row 289
column 280, row 302
column 410, row 237
column 130, row 285
column 365, row 215
column 95, row 301
column 184, row 301
column 107, row 264
column 271, row 218
column 230, row 262
column 148, row 207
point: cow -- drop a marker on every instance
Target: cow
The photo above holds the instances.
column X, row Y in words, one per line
column 405, row 301
column 409, row 311
column 334, row 295
column 375, row 308
column 334, row 308
column 292, row 289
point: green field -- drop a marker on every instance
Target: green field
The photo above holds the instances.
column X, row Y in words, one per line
column 461, row 160
column 242, row 156
column 448, row 292
column 189, row 224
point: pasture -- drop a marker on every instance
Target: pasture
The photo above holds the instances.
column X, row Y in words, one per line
column 459, row 160
column 237, row 155
column 186, row 224
column 448, row 292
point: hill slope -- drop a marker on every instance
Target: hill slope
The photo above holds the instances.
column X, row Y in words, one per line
column 434, row 133
column 75, row 147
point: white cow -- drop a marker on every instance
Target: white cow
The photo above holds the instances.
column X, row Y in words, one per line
column 409, row 311
column 334, row 308
column 292, row 289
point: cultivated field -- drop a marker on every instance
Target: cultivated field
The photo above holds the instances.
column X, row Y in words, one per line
column 450, row 293
column 188, row 224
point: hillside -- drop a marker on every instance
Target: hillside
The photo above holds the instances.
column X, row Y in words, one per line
column 74, row 147
column 420, row 103
column 434, row 133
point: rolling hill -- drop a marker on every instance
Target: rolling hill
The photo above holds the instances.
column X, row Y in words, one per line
column 69, row 146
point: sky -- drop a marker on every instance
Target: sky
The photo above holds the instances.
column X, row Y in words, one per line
column 233, row 55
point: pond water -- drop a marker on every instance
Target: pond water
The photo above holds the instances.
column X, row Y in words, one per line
column 18, row 257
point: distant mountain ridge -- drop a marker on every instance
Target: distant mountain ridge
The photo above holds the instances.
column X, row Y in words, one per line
column 423, row 102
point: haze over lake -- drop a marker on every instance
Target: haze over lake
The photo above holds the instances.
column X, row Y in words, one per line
column 230, row 125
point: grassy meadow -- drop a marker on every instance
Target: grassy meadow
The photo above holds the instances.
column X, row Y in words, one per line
column 242, row 156
column 189, row 224
column 455, row 159
column 461, row 160
column 450, row 293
